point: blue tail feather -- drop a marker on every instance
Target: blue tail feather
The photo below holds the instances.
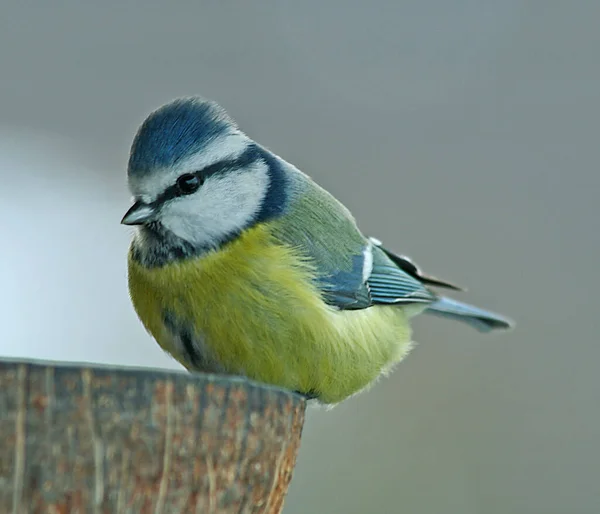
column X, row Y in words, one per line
column 480, row 319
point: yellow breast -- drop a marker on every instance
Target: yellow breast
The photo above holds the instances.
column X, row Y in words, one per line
column 254, row 310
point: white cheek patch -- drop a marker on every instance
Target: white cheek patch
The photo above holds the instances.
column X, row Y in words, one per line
column 226, row 147
column 225, row 204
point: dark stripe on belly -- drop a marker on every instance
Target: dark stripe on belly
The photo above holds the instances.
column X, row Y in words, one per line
column 192, row 355
column 191, row 350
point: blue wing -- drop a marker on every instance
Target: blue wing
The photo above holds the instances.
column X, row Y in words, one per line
column 374, row 279
column 347, row 289
column 389, row 284
column 395, row 279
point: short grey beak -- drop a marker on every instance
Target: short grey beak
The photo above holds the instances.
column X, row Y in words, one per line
column 138, row 214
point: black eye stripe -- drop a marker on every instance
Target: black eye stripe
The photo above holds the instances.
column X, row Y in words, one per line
column 249, row 156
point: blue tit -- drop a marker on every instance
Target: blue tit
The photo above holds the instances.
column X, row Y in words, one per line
column 241, row 264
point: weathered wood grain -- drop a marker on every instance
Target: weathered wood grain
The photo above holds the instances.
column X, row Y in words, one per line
column 86, row 439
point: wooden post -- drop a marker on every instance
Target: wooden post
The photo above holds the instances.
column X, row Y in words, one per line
column 110, row 440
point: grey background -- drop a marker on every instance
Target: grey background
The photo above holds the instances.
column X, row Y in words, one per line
column 464, row 134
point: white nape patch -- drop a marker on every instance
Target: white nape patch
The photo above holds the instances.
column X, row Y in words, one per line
column 223, row 205
column 368, row 262
column 375, row 241
column 229, row 146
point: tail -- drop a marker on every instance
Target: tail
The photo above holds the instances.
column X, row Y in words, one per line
column 480, row 319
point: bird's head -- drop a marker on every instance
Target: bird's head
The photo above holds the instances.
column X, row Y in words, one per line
column 196, row 179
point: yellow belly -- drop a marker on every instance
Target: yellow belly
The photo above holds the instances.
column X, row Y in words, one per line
column 255, row 312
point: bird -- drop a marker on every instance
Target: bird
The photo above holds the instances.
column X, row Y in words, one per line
column 241, row 264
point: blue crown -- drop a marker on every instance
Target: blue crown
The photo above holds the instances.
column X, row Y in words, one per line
column 176, row 130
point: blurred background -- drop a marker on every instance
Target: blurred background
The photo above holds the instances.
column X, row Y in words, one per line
column 464, row 134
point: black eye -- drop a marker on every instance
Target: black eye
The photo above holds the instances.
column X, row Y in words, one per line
column 189, row 183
